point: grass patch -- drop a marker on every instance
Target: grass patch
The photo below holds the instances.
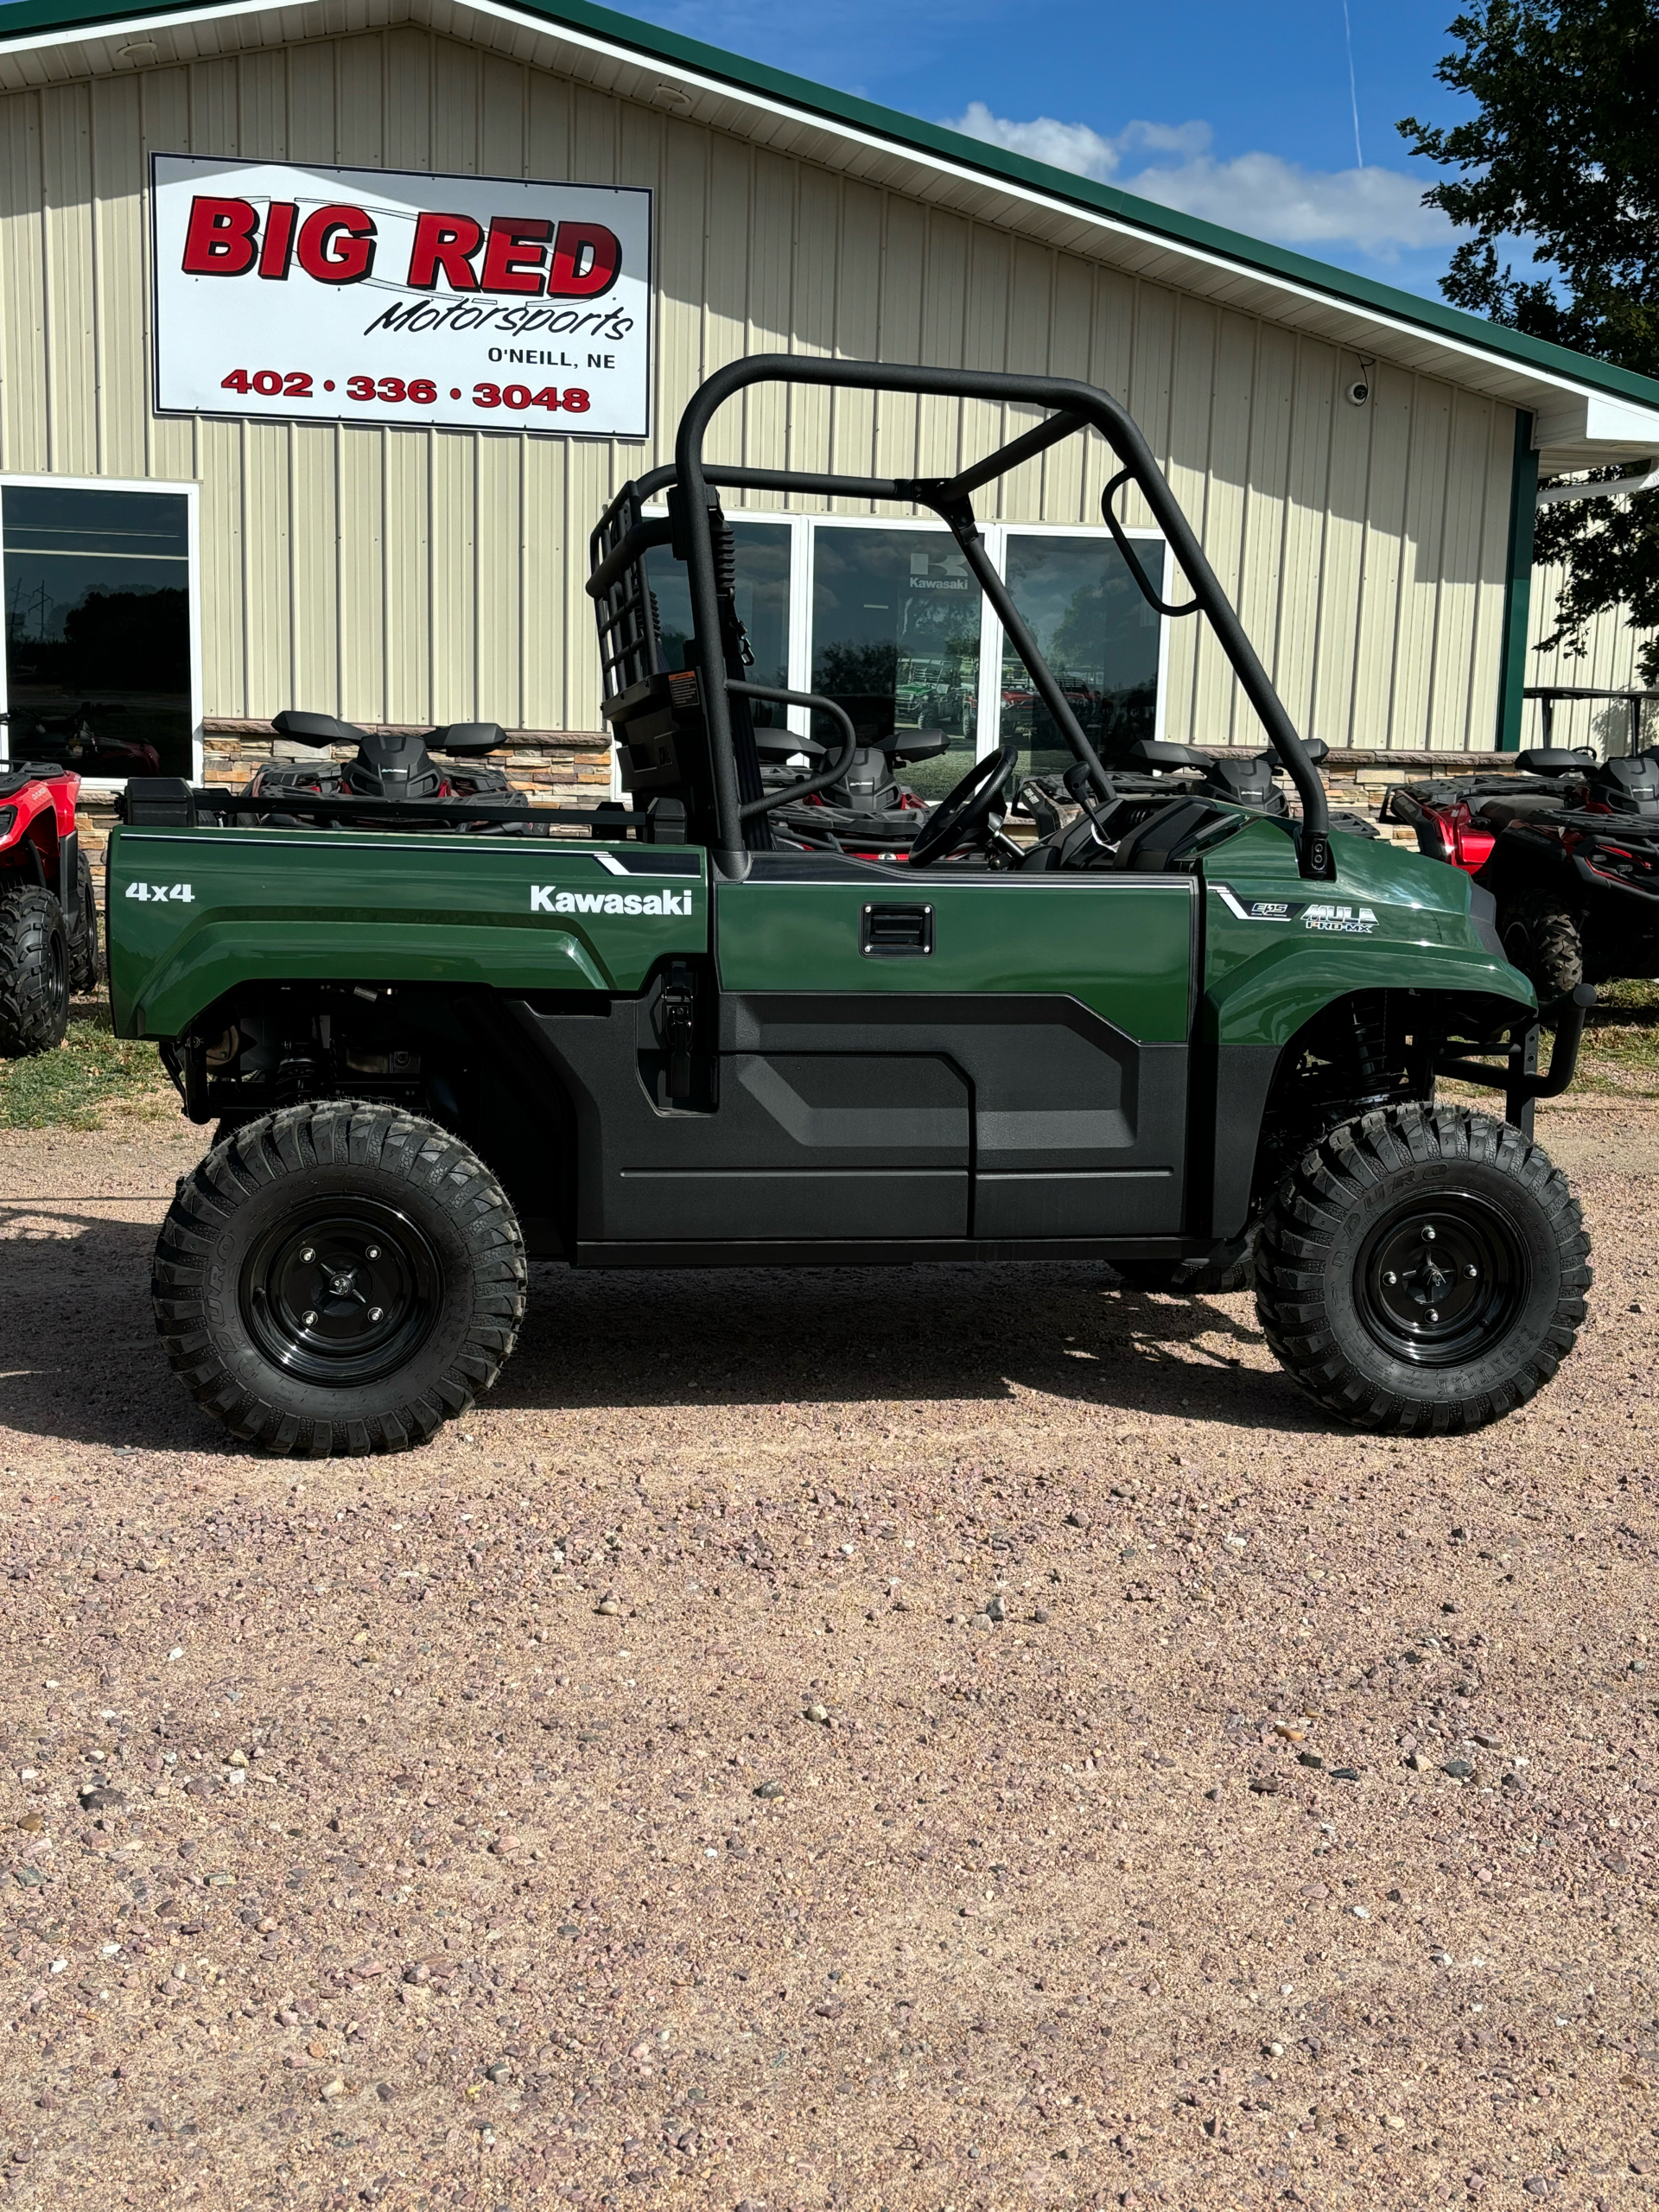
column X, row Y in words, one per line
column 1620, row 1052
column 90, row 1077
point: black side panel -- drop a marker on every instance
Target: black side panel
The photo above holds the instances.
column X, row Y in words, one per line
column 1078, row 1131
column 853, row 1117
column 1245, row 1078
column 800, row 1147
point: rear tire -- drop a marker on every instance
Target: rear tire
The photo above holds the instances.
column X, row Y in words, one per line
column 339, row 1277
column 1541, row 936
column 1422, row 1270
column 33, row 972
column 85, row 959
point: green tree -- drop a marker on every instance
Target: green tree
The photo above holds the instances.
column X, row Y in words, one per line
column 1563, row 152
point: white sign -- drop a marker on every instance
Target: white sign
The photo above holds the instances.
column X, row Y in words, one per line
column 378, row 296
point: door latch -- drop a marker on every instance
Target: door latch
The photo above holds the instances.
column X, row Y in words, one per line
column 677, row 1017
column 896, row 932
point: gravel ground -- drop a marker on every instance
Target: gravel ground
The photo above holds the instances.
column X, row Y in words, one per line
column 626, row 1800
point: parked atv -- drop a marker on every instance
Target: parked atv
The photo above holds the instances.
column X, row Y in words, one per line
column 1577, row 885
column 867, row 813
column 48, row 916
column 1568, row 847
column 1458, row 818
column 392, row 765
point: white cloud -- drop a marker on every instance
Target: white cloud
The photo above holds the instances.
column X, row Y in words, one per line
column 1378, row 210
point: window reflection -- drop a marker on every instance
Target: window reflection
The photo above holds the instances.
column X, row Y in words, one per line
column 98, row 629
column 763, row 558
column 895, row 639
column 1098, row 634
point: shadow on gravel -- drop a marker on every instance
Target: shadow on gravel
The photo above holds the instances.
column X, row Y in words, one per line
column 78, row 1359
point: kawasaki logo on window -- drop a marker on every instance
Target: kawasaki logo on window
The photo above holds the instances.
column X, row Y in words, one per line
column 548, row 899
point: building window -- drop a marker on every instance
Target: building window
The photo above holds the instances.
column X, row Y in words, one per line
column 765, row 560
column 896, row 620
column 886, row 619
column 1097, row 632
column 99, row 663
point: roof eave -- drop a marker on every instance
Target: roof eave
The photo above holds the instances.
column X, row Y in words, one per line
column 1585, row 411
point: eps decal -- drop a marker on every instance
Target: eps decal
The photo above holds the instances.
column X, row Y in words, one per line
column 1323, row 916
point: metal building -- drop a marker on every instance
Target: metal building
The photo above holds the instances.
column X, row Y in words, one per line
column 1359, row 462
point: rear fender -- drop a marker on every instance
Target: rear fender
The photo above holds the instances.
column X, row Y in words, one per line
column 197, row 914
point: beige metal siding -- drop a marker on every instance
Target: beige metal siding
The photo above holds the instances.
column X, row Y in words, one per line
column 393, row 574
column 1607, row 664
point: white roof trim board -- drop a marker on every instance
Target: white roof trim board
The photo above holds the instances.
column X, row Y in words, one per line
column 1576, row 425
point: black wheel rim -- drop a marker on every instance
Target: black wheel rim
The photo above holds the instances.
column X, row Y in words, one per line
column 1441, row 1279
column 58, row 971
column 343, row 1293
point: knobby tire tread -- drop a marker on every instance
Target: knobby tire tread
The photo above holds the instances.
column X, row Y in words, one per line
column 85, row 953
column 32, row 1017
column 337, row 1133
column 1302, row 1219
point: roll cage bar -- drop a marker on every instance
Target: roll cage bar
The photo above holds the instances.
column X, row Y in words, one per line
column 1076, row 407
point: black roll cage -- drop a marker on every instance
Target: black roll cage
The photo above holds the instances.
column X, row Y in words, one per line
column 1076, row 407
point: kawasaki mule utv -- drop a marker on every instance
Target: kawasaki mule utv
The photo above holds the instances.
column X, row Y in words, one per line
column 652, row 1035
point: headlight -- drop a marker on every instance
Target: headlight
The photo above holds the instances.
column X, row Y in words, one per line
column 8, row 818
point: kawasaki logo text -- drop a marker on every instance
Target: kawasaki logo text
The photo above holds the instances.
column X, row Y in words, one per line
column 548, row 899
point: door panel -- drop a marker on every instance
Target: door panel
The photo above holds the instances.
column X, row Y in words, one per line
column 1120, row 945
column 1062, row 1002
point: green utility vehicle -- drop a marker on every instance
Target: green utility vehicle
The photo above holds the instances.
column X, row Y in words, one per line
column 1177, row 1035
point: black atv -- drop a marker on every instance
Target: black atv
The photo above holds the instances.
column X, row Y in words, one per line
column 866, row 814
column 392, row 766
column 1577, row 881
column 1152, row 770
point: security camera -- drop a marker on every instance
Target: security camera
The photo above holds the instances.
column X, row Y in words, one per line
column 1358, row 392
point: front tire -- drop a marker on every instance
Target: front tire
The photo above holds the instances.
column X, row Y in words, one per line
column 339, row 1277
column 1541, row 936
column 1422, row 1270
column 86, row 960
column 33, row 972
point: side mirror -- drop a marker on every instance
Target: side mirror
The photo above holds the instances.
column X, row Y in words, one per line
column 315, row 729
column 467, row 740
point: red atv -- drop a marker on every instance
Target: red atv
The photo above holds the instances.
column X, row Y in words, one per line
column 1459, row 818
column 48, row 916
column 1569, row 850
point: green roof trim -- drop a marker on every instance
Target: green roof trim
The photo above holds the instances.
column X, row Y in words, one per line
column 910, row 134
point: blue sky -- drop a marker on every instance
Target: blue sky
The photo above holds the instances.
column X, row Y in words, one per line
column 1240, row 113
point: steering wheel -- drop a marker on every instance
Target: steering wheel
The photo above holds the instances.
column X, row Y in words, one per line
column 964, row 812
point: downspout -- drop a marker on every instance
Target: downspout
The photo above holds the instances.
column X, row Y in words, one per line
column 1518, row 586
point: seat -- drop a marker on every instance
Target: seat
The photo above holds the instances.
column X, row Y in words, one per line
column 1166, row 760
column 1499, row 813
column 1554, row 760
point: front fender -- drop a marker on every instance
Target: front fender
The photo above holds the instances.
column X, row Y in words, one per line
column 1270, row 995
